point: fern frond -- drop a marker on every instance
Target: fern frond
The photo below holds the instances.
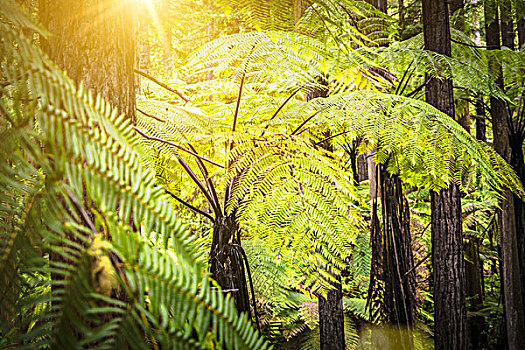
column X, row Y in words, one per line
column 71, row 171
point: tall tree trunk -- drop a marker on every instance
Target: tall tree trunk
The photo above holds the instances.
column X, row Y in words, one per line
column 507, row 24
column 94, row 42
column 331, row 317
column 481, row 128
column 513, row 295
column 381, row 5
column 447, row 234
column 516, row 138
column 402, row 24
column 520, row 21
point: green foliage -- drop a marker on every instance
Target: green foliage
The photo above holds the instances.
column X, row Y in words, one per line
column 92, row 254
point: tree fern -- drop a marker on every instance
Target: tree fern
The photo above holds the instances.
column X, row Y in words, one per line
column 71, row 177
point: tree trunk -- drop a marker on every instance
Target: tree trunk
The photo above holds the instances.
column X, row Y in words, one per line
column 381, row 5
column 474, row 292
column 520, row 22
column 94, row 42
column 447, row 234
column 507, row 24
column 398, row 276
column 226, row 261
column 402, row 24
column 480, row 121
column 513, row 295
column 331, row 319
column 454, row 6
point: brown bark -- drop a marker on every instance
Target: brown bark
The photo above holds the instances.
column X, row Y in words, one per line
column 481, row 128
column 512, row 290
column 448, row 264
column 454, row 6
column 398, row 275
column 226, row 261
column 331, row 319
column 507, row 24
column 447, row 234
column 94, row 42
column 381, row 5
column 520, row 21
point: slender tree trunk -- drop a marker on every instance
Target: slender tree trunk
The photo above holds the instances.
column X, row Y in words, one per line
column 381, row 5
column 398, row 276
column 520, row 21
column 331, row 318
column 507, row 24
column 513, row 297
column 447, row 234
column 481, row 128
column 402, row 24
column 474, row 292
column 516, row 138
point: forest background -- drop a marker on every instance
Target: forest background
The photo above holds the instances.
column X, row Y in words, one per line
column 253, row 174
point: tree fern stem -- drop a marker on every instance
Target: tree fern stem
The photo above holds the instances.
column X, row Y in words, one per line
column 178, row 147
column 306, row 121
column 199, row 184
column 206, row 176
column 237, row 106
column 151, row 115
column 250, row 280
column 167, row 87
column 195, row 209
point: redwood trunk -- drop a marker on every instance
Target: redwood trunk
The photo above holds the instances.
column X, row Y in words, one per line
column 520, row 21
column 447, row 234
column 512, row 288
column 94, row 42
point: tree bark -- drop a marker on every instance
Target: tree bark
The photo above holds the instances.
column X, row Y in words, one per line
column 331, row 319
column 507, row 24
column 94, row 42
column 381, row 5
column 512, row 290
column 447, row 233
column 480, row 121
column 516, row 138
column 226, row 261
column 520, row 22
column 397, row 273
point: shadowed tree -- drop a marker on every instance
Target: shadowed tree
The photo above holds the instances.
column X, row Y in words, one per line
column 447, row 234
column 512, row 292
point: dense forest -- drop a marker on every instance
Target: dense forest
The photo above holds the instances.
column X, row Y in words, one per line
column 247, row 174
